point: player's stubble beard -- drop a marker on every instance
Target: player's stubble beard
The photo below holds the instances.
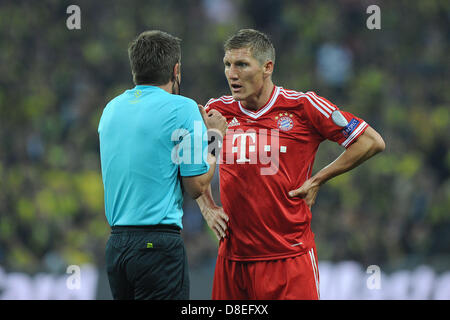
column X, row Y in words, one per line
column 249, row 98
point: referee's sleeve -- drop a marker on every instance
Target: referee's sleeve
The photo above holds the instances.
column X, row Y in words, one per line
column 192, row 143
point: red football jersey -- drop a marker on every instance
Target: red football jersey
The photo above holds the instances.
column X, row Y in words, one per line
column 266, row 154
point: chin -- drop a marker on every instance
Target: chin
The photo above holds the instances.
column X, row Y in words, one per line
column 238, row 96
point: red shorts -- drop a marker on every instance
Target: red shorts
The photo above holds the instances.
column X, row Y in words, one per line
column 295, row 278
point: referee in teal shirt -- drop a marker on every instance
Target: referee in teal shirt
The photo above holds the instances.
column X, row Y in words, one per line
column 153, row 144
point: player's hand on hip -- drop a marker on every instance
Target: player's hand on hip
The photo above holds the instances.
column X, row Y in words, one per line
column 308, row 191
column 217, row 220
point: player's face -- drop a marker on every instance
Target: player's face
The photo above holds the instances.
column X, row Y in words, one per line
column 244, row 73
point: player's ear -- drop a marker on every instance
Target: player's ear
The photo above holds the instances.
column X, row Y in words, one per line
column 268, row 68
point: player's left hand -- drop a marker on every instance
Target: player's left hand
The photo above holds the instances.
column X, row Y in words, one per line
column 308, row 191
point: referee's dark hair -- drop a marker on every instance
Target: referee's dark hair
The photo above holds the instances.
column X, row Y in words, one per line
column 153, row 55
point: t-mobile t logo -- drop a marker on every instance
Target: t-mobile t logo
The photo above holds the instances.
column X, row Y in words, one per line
column 243, row 147
column 254, row 148
column 260, row 147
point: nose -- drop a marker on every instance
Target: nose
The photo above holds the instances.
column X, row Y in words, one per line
column 231, row 73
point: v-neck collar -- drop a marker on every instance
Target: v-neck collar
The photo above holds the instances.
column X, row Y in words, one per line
column 264, row 109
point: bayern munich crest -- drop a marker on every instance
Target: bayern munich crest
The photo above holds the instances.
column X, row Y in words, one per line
column 285, row 122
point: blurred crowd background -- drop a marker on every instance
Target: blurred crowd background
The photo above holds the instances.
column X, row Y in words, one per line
column 393, row 211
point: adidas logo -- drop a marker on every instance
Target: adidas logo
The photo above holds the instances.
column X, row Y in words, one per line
column 233, row 123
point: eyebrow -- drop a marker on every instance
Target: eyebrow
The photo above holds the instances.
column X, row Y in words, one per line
column 237, row 61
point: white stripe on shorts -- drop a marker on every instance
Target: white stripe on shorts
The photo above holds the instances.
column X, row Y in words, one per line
column 316, row 271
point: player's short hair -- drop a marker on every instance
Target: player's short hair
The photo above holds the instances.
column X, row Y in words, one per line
column 153, row 55
column 259, row 43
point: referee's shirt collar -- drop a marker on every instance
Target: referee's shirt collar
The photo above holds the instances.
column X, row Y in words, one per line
column 145, row 86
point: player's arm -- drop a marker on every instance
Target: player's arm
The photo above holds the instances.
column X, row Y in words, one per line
column 366, row 146
column 214, row 215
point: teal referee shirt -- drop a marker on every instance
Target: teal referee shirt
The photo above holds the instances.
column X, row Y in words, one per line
column 148, row 137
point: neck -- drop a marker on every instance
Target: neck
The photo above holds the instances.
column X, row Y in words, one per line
column 166, row 87
column 260, row 99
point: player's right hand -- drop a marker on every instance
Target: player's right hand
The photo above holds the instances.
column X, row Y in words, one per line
column 217, row 220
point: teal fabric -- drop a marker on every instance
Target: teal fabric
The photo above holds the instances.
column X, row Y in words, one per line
column 148, row 137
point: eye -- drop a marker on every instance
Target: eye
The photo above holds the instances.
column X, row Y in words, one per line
column 226, row 63
column 242, row 64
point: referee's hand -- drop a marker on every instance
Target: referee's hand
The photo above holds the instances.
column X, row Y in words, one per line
column 217, row 220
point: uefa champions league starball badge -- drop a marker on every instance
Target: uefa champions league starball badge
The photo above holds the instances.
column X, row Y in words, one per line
column 285, row 122
column 339, row 119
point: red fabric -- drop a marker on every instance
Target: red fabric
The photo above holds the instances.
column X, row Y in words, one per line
column 294, row 278
column 265, row 155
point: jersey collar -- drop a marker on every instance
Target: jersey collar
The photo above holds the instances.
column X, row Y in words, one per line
column 264, row 109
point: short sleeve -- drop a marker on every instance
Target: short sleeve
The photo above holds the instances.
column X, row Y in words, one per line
column 208, row 105
column 331, row 122
column 191, row 141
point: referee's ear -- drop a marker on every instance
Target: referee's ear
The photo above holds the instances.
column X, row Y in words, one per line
column 176, row 72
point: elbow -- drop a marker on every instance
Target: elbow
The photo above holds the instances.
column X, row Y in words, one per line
column 379, row 145
column 195, row 195
column 376, row 143
column 196, row 186
column 198, row 190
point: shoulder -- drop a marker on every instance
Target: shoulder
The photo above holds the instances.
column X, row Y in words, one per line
column 292, row 98
column 218, row 103
column 181, row 100
column 295, row 95
column 183, row 106
column 117, row 100
column 290, row 93
column 309, row 101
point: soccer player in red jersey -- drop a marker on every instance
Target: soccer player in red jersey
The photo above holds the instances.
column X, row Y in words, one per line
column 267, row 248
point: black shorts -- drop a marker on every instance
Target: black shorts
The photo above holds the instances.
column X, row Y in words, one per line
column 147, row 263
